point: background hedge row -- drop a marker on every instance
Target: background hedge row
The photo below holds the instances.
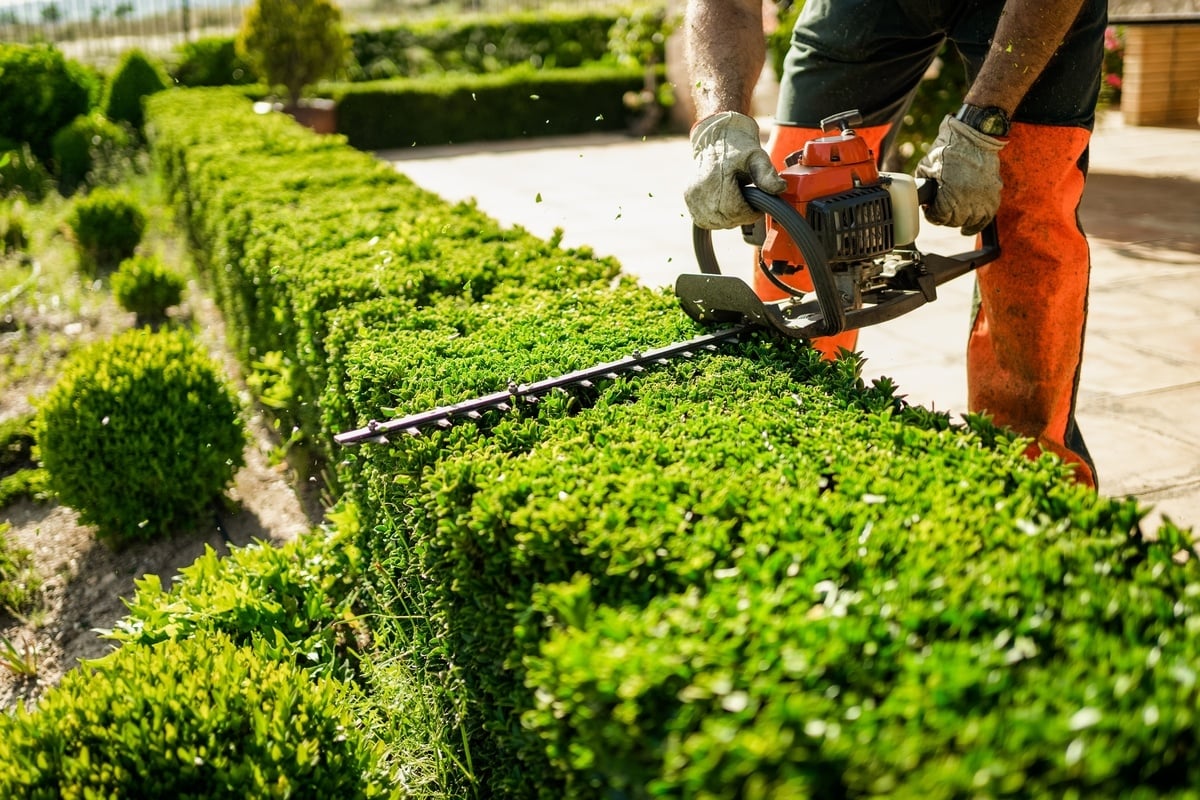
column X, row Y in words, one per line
column 292, row 227
column 467, row 108
column 744, row 575
column 464, row 45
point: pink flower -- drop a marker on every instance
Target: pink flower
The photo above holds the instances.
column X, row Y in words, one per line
column 1111, row 40
column 1113, row 80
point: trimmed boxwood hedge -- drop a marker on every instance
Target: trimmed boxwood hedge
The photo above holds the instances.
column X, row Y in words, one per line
column 744, row 575
column 513, row 105
column 290, row 227
column 764, row 471
column 467, row 79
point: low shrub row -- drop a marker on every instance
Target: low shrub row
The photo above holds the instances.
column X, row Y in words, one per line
column 292, row 227
column 451, row 80
column 742, row 575
column 516, row 104
column 463, row 45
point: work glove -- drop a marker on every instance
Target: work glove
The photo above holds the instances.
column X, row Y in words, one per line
column 966, row 165
column 728, row 152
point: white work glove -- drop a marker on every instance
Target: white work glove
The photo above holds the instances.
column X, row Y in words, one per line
column 727, row 148
column 966, row 165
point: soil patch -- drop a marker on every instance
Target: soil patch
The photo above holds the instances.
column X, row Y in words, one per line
column 85, row 581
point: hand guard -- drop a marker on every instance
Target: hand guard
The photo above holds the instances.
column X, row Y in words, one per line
column 966, row 165
column 726, row 147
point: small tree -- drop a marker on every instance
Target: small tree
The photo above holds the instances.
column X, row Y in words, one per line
column 293, row 43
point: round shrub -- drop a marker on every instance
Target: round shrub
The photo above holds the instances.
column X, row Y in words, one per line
column 212, row 61
column 22, row 173
column 195, row 718
column 108, row 226
column 140, row 434
column 91, row 141
column 144, row 285
column 41, row 91
column 135, row 77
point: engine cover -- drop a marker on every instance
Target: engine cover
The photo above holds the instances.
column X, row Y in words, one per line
column 834, row 184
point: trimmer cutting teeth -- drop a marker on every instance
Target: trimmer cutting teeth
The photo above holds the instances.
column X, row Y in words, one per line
column 840, row 227
column 504, row 400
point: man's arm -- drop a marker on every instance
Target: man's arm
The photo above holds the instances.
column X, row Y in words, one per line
column 964, row 160
column 725, row 50
column 1026, row 38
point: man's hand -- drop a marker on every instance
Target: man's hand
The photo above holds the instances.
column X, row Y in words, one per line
column 966, row 165
column 728, row 151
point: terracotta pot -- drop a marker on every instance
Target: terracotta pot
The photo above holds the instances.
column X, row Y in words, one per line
column 318, row 114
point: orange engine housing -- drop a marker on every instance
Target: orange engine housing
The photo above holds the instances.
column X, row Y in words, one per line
column 827, row 166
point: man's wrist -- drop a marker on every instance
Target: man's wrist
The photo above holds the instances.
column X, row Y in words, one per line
column 988, row 120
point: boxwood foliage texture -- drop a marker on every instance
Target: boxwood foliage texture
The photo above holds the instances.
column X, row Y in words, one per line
column 140, row 434
column 518, row 104
column 106, row 227
column 730, row 470
column 291, row 602
column 745, row 575
column 198, row 718
column 290, row 227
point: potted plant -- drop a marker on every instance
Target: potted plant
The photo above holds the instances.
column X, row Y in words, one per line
column 293, row 44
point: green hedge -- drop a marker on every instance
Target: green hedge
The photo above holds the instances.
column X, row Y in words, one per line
column 199, row 718
column 461, row 108
column 472, row 45
column 744, row 575
column 291, row 227
column 654, row 572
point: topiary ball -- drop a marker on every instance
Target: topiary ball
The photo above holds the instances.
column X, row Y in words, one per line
column 81, row 147
column 107, row 226
column 140, row 434
column 143, row 285
column 198, row 718
column 136, row 76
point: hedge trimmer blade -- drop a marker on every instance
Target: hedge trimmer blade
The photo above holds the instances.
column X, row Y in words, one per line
column 445, row 416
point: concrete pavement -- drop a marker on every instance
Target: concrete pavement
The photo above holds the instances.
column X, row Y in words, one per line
column 1139, row 405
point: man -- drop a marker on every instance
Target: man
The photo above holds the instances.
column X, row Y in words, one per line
column 1016, row 151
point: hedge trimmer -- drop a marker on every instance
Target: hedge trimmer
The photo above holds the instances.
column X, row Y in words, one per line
column 851, row 228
